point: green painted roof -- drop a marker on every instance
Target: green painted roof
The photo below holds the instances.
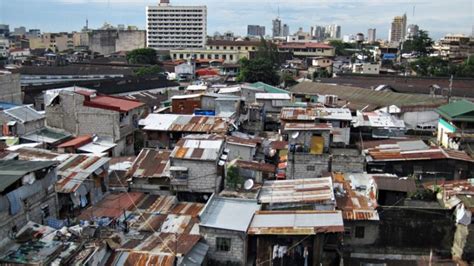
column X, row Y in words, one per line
column 268, row 88
column 13, row 170
column 462, row 110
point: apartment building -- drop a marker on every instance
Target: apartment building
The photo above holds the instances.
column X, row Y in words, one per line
column 171, row 26
column 227, row 51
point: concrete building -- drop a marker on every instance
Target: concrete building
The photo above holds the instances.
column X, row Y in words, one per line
column 398, row 29
column 455, row 47
column 109, row 41
column 26, row 194
column 285, row 30
column 225, row 51
column 150, row 172
column 318, row 32
column 21, row 120
column 412, row 31
column 242, row 149
column 277, row 30
column 171, row 27
column 10, row 88
column 81, row 111
column 333, row 31
column 4, row 30
column 224, row 224
column 371, row 35
column 4, row 48
column 255, row 30
column 366, row 68
column 308, row 49
column 455, row 124
column 197, row 166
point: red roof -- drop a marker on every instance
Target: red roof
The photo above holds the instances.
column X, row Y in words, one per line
column 113, row 205
column 113, row 103
column 305, row 45
column 207, row 72
column 76, row 142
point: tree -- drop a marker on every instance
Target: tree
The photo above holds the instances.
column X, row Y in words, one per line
column 420, row 44
column 261, row 68
column 431, row 66
column 233, row 177
column 142, row 56
column 341, row 47
column 145, row 71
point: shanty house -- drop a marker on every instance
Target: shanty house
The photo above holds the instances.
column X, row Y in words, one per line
column 165, row 130
column 456, row 124
column 150, row 172
column 82, row 182
column 308, row 149
column 21, row 120
column 239, row 148
column 224, row 224
column 197, row 165
column 26, row 194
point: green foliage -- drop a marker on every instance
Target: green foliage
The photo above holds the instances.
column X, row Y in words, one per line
column 420, row 44
column 145, row 71
column 142, row 56
column 341, row 47
column 288, row 80
column 263, row 67
column 233, row 178
column 423, row 194
column 436, row 66
column 322, row 73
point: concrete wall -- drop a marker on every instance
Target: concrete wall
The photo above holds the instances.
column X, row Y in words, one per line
column 110, row 41
column 22, row 129
column 371, row 232
column 298, row 165
column 238, row 151
column 238, row 249
column 10, row 88
column 202, row 175
column 304, row 138
column 347, row 161
column 414, row 118
column 130, row 39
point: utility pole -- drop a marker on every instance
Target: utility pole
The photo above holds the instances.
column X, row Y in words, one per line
column 450, row 88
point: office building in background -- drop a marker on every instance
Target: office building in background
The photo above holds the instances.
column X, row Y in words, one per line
column 255, row 30
column 371, row 35
column 398, row 29
column 171, row 26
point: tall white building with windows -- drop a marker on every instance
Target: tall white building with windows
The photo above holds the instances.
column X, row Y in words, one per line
column 171, row 27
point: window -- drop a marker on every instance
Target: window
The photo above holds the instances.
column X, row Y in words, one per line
column 45, row 211
column 223, row 244
column 359, row 232
column 310, row 168
column 347, row 231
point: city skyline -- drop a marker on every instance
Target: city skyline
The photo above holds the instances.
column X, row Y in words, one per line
column 236, row 15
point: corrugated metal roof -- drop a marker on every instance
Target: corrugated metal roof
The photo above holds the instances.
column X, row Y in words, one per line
column 197, row 149
column 98, row 147
column 354, row 197
column 165, row 243
column 360, row 97
column 76, row 142
column 272, row 96
column 76, row 169
column 141, row 259
column 312, row 113
column 184, row 123
column 241, row 141
column 256, row 166
column 306, row 126
column 228, row 213
column 24, row 113
column 196, row 256
column 461, row 110
column 112, row 205
column 120, row 104
column 307, row 190
column 47, row 135
column 13, row 170
column 296, row 222
column 393, row 183
column 151, row 164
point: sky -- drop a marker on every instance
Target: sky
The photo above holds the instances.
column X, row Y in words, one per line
column 438, row 17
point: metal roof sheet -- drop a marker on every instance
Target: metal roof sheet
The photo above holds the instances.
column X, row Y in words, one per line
column 47, row 135
column 13, row 170
column 312, row 113
column 97, row 147
column 77, row 169
column 296, row 222
column 306, row 190
column 151, row 164
column 24, row 113
column 184, row 123
column 306, row 126
column 228, row 213
column 272, row 96
column 197, row 149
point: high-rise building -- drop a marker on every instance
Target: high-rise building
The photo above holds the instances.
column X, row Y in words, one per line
column 398, row 29
column 286, row 30
column 170, row 27
column 412, row 31
column 4, row 30
column 333, row 31
column 317, row 32
column 371, row 35
column 276, row 28
column 20, row 31
column 255, row 30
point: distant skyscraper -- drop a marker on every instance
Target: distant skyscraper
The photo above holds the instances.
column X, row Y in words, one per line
column 4, row 30
column 20, row 31
column 398, row 29
column 276, row 29
column 171, row 26
column 255, row 30
column 371, row 35
column 412, row 31
column 317, row 32
column 333, row 31
column 286, row 30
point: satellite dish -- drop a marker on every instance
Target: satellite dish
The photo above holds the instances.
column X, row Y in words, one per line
column 295, row 135
column 248, row 185
column 272, row 152
column 155, row 107
column 95, row 138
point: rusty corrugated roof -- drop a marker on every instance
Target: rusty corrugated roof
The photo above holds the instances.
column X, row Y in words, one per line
column 151, row 164
column 256, row 166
